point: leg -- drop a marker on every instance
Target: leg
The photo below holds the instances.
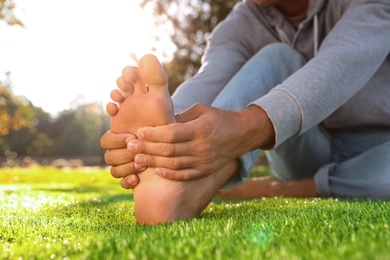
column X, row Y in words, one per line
column 158, row 200
column 293, row 165
column 266, row 69
column 269, row 186
column 361, row 167
column 353, row 163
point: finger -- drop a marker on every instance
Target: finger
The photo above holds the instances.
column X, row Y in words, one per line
column 160, row 149
column 118, row 156
column 179, row 175
column 117, row 96
column 174, row 163
column 191, row 113
column 112, row 140
column 111, row 109
column 170, row 133
column 130, row 181
column 123, row 170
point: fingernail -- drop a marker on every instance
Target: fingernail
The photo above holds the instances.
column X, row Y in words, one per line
column 139, row 167
column 132, row 146
column 131, row 181
column 160, row 172
column 140, row 159
column 140, row 133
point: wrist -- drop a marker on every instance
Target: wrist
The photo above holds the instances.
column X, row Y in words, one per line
column 258, row 128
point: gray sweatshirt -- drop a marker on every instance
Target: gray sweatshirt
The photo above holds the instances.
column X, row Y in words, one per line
column 345, row 83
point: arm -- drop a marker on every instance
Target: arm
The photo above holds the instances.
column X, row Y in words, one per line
column 233, row 42
column 205, row 139
column 229, row 47
column 348, row 58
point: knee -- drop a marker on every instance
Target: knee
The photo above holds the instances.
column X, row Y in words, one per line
column 278, row 52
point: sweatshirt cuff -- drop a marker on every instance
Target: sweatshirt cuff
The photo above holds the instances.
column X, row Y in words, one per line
column 284, row 112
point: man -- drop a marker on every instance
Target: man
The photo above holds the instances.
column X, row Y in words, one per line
column 307, row 81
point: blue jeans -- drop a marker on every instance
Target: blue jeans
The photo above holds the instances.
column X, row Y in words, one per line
column 351, row 162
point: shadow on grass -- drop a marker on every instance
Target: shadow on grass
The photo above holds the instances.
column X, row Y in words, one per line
column 106, row 200
column 75, row 189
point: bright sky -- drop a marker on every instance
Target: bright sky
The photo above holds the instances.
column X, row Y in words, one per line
column 73, row 49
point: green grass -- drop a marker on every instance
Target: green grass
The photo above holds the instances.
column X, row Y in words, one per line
column 56, row 214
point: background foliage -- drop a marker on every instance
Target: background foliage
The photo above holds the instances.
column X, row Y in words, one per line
column 6, row 13
column 188, row 23
column 29, row 130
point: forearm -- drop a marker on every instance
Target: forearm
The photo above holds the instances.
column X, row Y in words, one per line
column 258, row 131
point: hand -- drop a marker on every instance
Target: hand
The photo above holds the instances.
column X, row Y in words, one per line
column 203, row 140
column 120, row 158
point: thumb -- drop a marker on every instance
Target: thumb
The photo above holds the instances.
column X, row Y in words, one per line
column 191, row 113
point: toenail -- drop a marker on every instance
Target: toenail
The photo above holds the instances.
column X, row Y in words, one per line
column 132, row 146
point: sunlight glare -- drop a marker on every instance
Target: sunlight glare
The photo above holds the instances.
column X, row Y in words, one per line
column 15, row 198
column 76, row 48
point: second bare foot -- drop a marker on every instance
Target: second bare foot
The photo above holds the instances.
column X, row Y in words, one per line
column 269, row 186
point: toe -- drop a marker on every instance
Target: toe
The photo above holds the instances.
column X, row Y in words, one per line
column 152, row 72
column 131, row 77
column 126, row 87
column 117, row 96
column 130, row 74
column 111, row 109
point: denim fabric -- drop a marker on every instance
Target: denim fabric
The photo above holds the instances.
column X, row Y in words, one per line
column 256, row 78
column 353, row 162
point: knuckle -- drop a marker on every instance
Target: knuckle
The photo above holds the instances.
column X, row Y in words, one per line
column 198, row 106
column 186, row 176
column 175, row 164
column 167, row 150
column 150, row 160
column 205, row 131
column 204, row 148
column 169, row 136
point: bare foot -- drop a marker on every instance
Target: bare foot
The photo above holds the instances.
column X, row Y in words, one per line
column 145, row 100
column 158, row 200
column 269, row 186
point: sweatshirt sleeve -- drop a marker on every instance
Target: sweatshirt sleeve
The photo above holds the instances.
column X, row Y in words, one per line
column 227, row 51
column 348, row 57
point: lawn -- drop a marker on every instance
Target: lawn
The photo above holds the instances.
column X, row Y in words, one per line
column 48, row 213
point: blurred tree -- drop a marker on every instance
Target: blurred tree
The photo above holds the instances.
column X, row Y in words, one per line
column 15, row 111
column 77, row 131
column 40, row 143
column 13, row 115
column 20, row 125
column 188, row 23
column 29, row 130
column 7, row 13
